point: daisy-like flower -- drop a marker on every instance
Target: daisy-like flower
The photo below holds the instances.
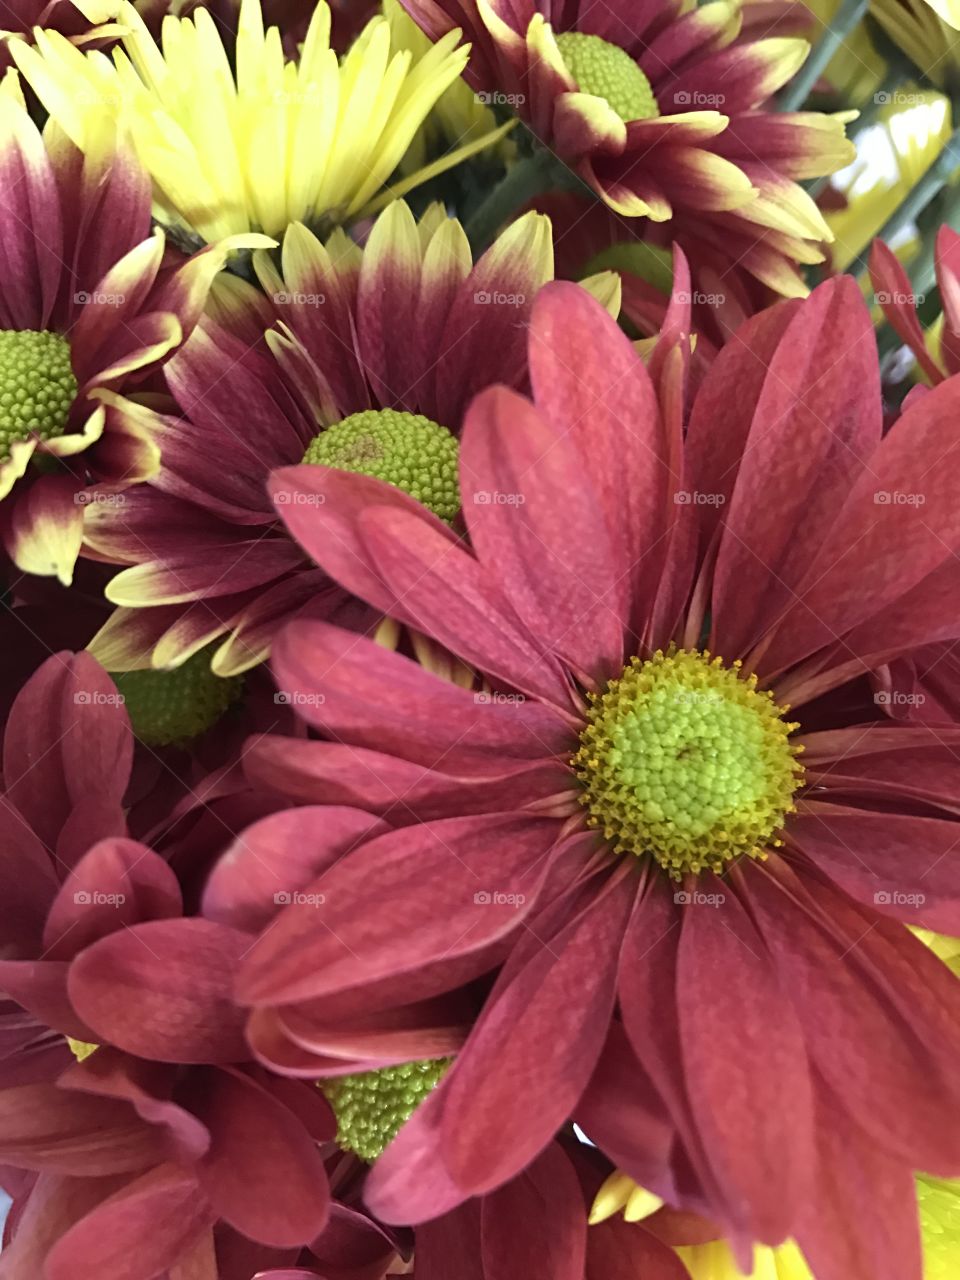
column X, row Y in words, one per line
column 371, row 368
column 658, row 109
column 937, row 352
column 688, row 879
column 265, row 144
column 85, row 310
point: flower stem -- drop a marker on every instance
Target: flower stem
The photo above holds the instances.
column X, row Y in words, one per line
column 531, row 176
column 797, row 91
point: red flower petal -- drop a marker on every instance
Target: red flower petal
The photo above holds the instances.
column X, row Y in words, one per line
column 745, row 1065
column 116, row 884
column 442, row 875
column 263, row 1172
column 555, row 559
column 163, row 990
column 278, row 856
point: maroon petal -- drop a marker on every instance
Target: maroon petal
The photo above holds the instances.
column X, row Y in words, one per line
column 619, row 1250
column 45, row 1127
column 40, row 986
column 458, row 885
column 899, row 523
column 860, row 1218
column 263, row 1172
column 537, row 1221
column 894, row 294
column 28, row 883
column 276, row 858
column 745, row 1064
column 30, row 261
column 315, row 772
column 162, row 990
column 607, row 402
column 534, row 1047
column 67, row 737
column 899, row 864
column 724, row 408
column 116, row 884
column 356, row 690
column 879, row 1014
column 622, row 1113
column 817, row 420
column 109, row 1073
column 448, row 1248
column 140, row 1231
column 555, row 559
column 37, row 1222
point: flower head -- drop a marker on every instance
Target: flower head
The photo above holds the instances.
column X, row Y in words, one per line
column 87, row 308
column 660, row 109
column 260, row 146
column 369, row 365
column 692, row 947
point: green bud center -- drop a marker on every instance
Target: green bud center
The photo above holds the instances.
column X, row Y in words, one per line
column 167, row 707
column 37, row 386
column 607, row 71
column 404, row 449
column 685, row 760
column 372, row 1106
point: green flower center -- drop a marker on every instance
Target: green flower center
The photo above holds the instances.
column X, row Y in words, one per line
column 174, row 706
column 686, row 761
column 607, row 71
column 405, row 449
column 372, row 1106
column 37, row 386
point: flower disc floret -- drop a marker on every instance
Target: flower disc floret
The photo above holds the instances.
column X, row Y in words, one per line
column 606, row 71
column 685, row 760
column 372, row 1106
column 37, row 386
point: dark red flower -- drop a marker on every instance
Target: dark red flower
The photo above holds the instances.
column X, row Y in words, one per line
column 731, row 1005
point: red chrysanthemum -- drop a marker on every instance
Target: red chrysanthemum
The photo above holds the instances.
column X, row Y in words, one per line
column 660, row 108
column 87, row 307
column 698, row 935
column 387, row 337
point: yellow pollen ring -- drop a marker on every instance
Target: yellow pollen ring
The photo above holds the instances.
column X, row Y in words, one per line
column 685, row 760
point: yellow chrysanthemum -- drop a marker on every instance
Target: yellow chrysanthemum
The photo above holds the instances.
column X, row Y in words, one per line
column 267, row 144
column 460, row 114
column 927, row 32
column 910, row 133
column 938, row 1200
